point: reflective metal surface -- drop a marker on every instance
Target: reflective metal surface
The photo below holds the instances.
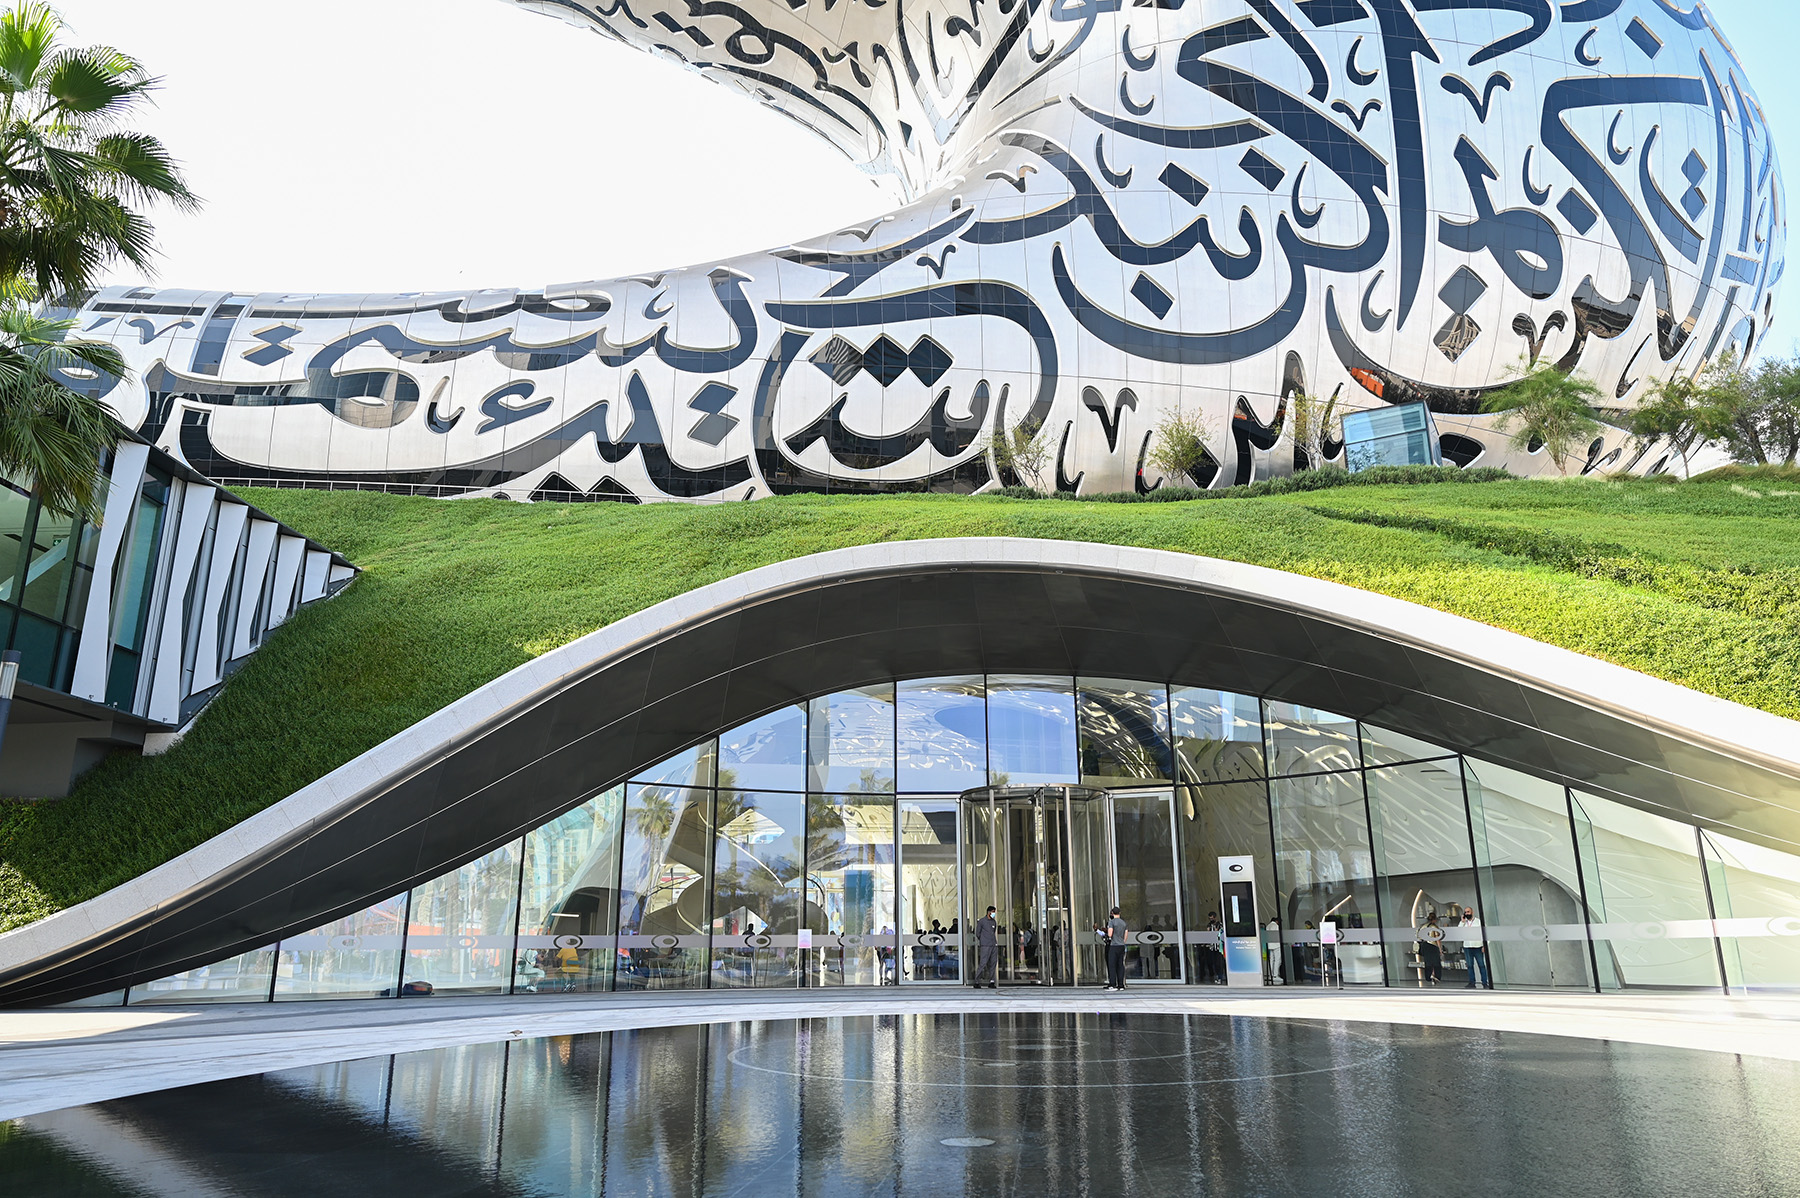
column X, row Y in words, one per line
column 1112, row 213
column 981, row 1103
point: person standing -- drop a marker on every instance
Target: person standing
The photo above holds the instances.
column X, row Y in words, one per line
column 987, row 945
column 1431, row 950
column 1215, row 951
column 1475, row 951
column 1116, row 935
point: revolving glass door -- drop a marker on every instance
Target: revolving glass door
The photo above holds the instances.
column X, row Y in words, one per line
column 1048, row 860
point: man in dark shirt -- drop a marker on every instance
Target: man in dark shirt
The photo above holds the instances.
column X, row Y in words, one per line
column 1116, row 934
column 987, row 941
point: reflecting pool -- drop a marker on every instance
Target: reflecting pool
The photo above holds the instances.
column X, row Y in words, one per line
column 996, row 1103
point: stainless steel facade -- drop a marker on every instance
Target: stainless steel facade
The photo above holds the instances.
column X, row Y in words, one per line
column 1111, row 212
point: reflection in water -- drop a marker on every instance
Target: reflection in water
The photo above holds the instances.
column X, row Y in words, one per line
column 950, row 1104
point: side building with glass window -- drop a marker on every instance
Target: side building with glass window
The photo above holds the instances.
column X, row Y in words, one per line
column 126, row 627
column 804, row 824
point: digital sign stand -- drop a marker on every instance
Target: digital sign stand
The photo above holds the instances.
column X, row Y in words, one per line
column 1237, row 910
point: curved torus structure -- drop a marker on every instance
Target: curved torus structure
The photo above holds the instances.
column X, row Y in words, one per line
column 1112, row 211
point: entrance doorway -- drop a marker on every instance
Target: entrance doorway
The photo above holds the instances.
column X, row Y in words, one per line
column 1053, row 861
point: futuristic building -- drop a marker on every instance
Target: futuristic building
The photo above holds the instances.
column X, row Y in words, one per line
column 1111, row 212
column 819, row 773
column 128, row 625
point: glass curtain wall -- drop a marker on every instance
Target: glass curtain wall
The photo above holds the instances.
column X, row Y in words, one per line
column 825, row 844
column 460, row 928
column 665, row 868
column 243, row 978
column 850, row 889
column 1647, row 902
column 357, row 956
column 1031, row 730
column 759, row 867
column 1149, row 901
column 569, row 899
column 1425, row 860
column 1325, row 870
column 1531, row 885
column 1221, row 810
column 931, row 943
column 46, row 572
column 1756, row 900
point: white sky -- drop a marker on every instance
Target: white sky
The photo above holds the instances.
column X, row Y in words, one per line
column 402, row 145
column 408, row 145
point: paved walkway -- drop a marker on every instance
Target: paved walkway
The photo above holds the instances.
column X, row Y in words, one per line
column 57, row 1058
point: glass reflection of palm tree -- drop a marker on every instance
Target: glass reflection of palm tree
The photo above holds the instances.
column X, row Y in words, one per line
column 654, row 823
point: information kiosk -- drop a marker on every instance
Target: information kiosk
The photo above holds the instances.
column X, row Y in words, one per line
column 1237, row 908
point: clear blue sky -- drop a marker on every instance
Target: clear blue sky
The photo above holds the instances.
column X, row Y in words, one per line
column 1766, row 36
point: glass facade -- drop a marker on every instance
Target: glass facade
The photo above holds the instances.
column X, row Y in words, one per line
column 46, row 573
column 832, row 843
column 1400, row 435
column 569, row 899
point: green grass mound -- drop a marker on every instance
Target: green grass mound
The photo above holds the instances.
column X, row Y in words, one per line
column 1772, row 475
column 1694, row 582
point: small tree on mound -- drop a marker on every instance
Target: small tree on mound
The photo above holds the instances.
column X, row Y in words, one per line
column 1023, row 451
column 1760, row 411
column 1179, row 447
column 1547, row 407
column 1688, row 411
column 1312, row 420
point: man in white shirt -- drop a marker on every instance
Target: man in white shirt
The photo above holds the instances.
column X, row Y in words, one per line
column 1475, row 951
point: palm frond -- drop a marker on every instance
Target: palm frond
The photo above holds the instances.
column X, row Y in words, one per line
column 94, row 81
column 142, row 169
column 52, row 435
column 26, row 36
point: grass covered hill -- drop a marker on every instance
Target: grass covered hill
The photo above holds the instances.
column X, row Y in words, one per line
column 1691, row 581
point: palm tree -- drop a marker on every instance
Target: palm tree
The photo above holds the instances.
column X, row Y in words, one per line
column 1547, row 407
column 50, row 432
column 72, row 181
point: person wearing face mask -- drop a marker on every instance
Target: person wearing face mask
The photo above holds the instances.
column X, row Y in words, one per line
column 987, row 943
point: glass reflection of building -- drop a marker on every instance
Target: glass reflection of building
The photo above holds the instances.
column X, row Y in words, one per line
column 834, row 842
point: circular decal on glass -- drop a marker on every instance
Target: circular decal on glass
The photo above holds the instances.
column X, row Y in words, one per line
column 1534, row 931
column 851, row 941
column 665, row 942
column 759, row 940
column 469, row 942
column 347, row 943
column 1150, row 937
column 1651, row 931
column 931, row 939
column 1785, row 925
column 567, row 942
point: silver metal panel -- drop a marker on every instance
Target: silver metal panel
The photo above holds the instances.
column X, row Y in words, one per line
column 218, row 586
column 1113, row 213
column 290, row 552
column 165, row 690
column 315, row 575
column 259, row 559
column 94, row 656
